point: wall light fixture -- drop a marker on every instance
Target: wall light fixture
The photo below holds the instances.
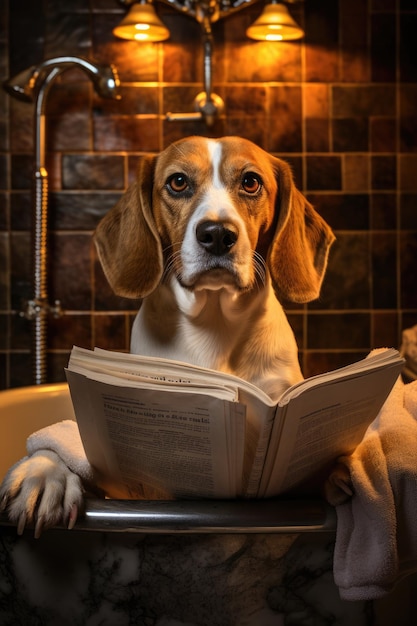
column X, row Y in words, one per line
column 142, row 24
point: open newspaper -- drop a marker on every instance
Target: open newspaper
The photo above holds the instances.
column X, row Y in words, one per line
column 170, row 428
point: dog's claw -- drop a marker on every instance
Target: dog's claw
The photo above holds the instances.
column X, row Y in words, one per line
column 39, row 526
column 72, row 517
column 21, row 523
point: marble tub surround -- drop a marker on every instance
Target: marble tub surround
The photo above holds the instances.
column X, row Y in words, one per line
column 81, row 578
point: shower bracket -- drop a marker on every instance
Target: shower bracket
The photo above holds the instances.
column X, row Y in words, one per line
column 37, row 308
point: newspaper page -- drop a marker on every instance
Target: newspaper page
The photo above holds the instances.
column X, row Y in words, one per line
column 176, row 444
column 322, row 423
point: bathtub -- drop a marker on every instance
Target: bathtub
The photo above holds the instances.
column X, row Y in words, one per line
column 189, row 563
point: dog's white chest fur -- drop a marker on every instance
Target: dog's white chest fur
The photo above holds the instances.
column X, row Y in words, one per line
column 241, row 334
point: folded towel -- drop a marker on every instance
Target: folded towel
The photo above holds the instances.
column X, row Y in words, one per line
column 64, row 439
column 376, row 537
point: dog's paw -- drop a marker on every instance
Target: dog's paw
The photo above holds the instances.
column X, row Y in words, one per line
column 41, row 490
column 338, row 487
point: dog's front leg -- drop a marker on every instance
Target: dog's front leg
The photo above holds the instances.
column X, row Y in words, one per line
column 41, row 490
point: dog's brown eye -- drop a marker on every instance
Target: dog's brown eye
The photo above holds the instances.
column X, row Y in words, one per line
column 177, row 183
column 251, row 183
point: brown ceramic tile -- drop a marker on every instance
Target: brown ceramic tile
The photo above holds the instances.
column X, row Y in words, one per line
column 4, row 166
column 68, row 330
column 383, row 211
column 247, row 101
column 98, row 171
column 66, row 34
column 321, row 53
column 180, row 99
column 4, row 379
column 104, row 298
column 3, row 135
column 355, row 172
column 408, row 170
column 4, row 270
column 383, row 172
column 408, row 50
column 317, row 135
column 21, row 171
column 363, row 100
column 352, row 20
column 408, row 211
column 354, row 41
column 322, row 362
column 172, row 131
column 135, row 62
column 408, row 124
column 322, row 63
column 346, row 284
column 20, row 271
column 135, row 100
column 408, row 256
column 110, row 332
column 72, row 94
column 26, row 35
column 21, row 330
column 20, row 369
column 338, row 331
column 316, row 100
column 384, row 270
column 350, row 135
column 347, row 211
column 385, row 330
column 79, row 211
column 383, row 47
column 296, row 321
column 71, row 131
column 407, row 319
column 254, row 129
column 183, row 51
column 70, row 256
column 5, row 204
column 383, row 6
column 324, row 172
column 285, row 131
column 259, row 62
column 125, row 133
column 57, row 362
column 383, row 134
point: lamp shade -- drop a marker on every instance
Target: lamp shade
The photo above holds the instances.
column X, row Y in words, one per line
column 141, row 23
column 275, row 24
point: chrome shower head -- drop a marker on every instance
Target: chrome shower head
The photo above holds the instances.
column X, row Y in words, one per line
column 20, row 86
column 27, row 84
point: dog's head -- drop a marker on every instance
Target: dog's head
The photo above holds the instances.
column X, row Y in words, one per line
column 216, row 213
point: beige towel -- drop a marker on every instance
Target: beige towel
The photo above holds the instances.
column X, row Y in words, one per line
column 376, row 538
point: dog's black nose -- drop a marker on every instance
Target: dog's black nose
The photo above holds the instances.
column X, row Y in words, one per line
column 216, row 237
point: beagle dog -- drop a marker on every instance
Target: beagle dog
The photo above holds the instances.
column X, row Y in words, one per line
column 212, row 235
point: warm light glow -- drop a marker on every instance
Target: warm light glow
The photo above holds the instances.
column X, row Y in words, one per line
column 142, row 17
column 275, row 17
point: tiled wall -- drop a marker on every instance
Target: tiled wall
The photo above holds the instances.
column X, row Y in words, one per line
column 341, row 107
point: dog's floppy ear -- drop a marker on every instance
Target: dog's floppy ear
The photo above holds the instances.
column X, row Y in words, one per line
column 127, row 239
column 298, row 254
